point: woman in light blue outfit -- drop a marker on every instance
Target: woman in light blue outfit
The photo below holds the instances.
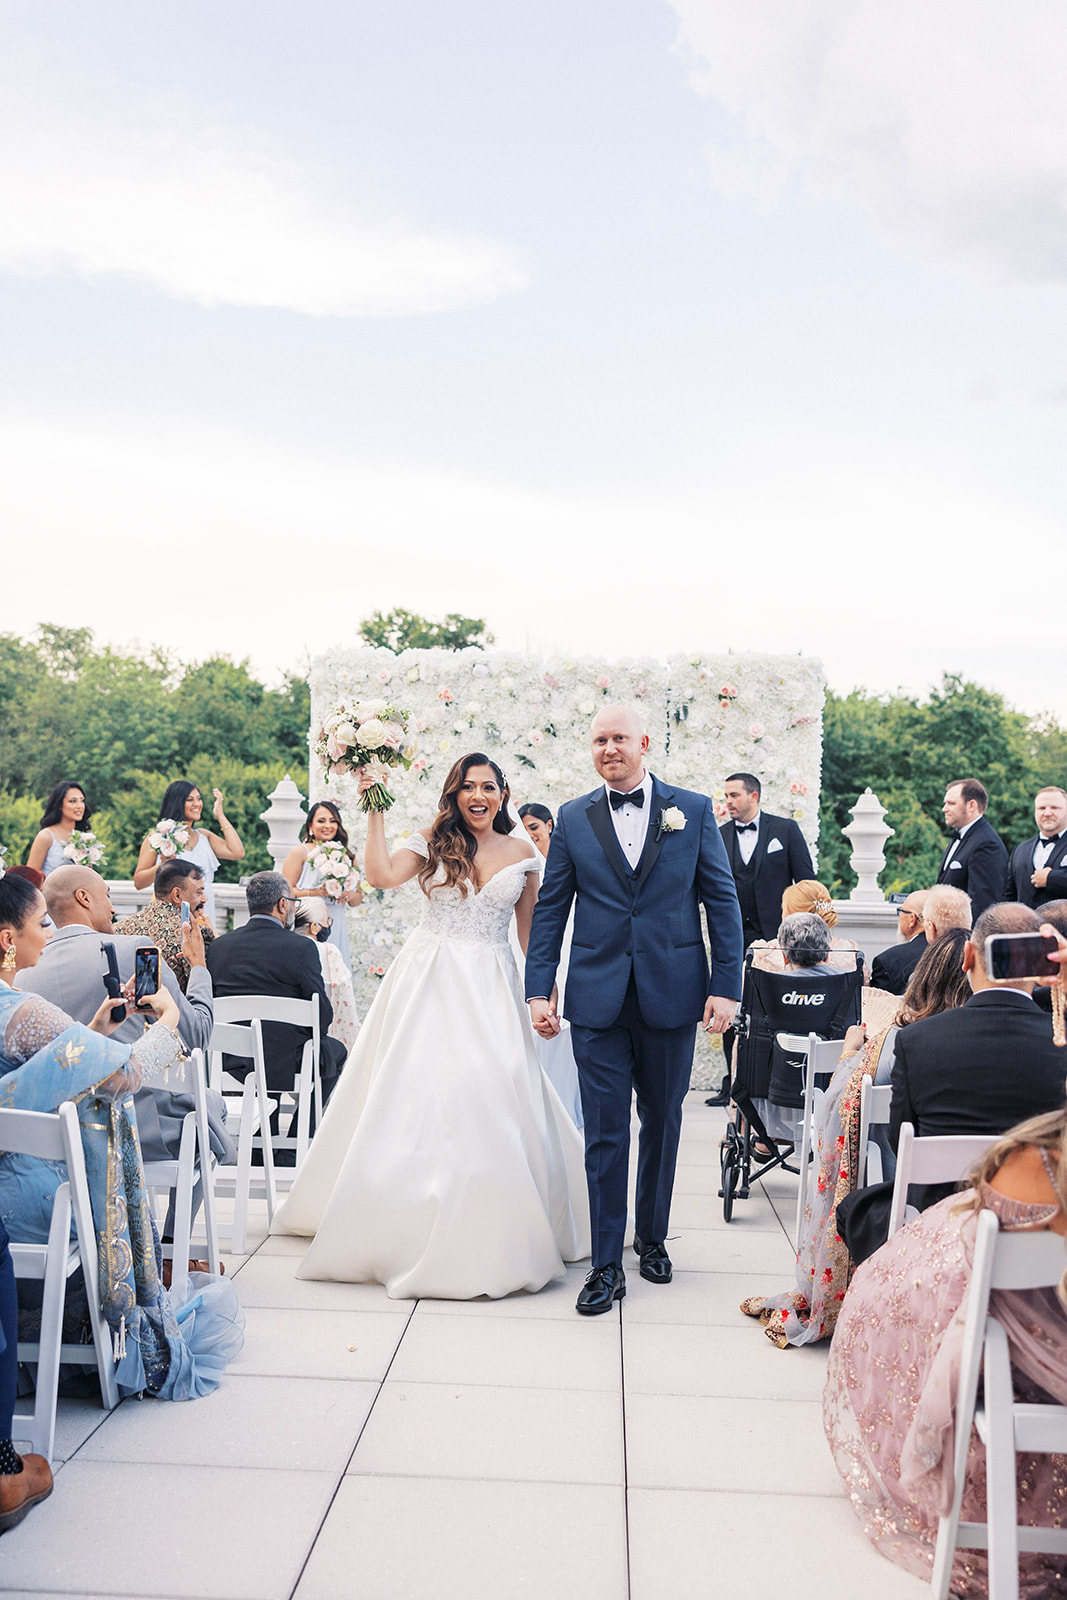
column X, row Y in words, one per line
column 183, row 804
column 45, row 1058
column 65, row 809
column 323, row 826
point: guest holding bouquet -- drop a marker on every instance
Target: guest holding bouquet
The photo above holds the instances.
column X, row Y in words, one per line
column 323, row 867
column 65, row 838
column 176, row 837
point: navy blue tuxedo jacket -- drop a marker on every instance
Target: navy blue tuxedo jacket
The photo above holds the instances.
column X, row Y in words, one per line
column 788, row 863
column 1021, row 865
column 647, row 921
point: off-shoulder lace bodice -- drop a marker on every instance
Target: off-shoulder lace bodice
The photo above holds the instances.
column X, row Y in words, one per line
column 483, row 915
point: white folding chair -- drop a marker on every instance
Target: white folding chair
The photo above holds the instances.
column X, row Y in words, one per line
column 194, row 1163
column 248, row 1110
column 875, row 1103
column 822, row 1057
column 307, row 1089
column 1001, row 1261
column 935, row 1158
column 56, row 1136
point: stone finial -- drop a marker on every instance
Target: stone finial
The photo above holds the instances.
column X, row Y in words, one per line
column 284, row 818
column 867, row 834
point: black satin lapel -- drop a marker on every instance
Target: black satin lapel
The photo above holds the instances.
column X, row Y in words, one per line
column 1056, row 859
column 661, row 799
column 600, row 822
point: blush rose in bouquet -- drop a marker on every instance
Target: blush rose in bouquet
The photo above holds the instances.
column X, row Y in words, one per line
column 84, row 849
column 334, row 866
column 371, row 735
column 168, row 837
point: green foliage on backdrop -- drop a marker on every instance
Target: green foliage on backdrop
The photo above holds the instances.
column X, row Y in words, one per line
column 124, row 725
column 907, row 750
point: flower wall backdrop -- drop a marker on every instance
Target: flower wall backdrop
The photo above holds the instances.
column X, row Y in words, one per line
column 707, row 716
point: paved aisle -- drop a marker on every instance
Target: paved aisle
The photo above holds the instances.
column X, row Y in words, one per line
column 393, row 1450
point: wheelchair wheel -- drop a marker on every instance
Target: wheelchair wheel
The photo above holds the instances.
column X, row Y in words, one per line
column 730, row 1178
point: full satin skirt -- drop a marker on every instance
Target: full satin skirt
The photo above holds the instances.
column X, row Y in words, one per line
column 446, row 1165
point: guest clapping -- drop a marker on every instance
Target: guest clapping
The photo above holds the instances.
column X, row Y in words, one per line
column 66, row 809
column 182, row 808
column 324, row 835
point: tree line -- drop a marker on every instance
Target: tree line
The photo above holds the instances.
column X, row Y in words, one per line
column 123, row 725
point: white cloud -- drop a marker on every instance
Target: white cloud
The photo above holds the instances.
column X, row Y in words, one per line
column 946, row 119
column 161, row 193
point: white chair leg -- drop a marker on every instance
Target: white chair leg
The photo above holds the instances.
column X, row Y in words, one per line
column 244, row 1170
column 1001, row 1507
column 42, row 1426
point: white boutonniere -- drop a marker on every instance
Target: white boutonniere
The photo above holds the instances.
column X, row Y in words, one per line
column 671, row 820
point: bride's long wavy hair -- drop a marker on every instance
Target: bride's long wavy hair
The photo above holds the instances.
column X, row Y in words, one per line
column 452, row 844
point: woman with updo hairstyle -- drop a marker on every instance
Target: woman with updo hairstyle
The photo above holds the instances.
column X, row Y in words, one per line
column 314, row 922
column 323, row 826
column 47, row 1058
column 182, row 804
column 538, row 822
column 65, row 809
column 446, row 1165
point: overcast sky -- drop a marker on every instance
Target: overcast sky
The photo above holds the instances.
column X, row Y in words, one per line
column 629, row 325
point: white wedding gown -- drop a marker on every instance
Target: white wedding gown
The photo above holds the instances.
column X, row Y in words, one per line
column 446, row 1165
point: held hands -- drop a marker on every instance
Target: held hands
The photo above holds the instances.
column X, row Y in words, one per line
column 719, row 1014
column 544, row 1019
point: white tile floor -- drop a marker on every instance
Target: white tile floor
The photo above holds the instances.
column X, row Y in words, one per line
column 391, row 1450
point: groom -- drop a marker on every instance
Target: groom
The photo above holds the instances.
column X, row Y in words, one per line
column 639, row 859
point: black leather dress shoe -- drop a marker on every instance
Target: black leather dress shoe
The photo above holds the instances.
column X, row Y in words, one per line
column 603, row 1287
column 722, row 1098
column 655, row 1262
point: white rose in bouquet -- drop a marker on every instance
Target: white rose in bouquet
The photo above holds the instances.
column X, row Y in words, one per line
column 372, row 734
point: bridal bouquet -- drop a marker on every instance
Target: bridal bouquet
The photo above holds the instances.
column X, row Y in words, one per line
column 334, row 866
column 84, row 849
column 168, row 837
column 372, row 735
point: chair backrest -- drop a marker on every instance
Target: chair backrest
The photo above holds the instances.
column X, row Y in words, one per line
column 940, row 1158
column 875, row 1103
column 56, row 1136
column 243, row 1039
column 32, row 1133
column 268, row 1008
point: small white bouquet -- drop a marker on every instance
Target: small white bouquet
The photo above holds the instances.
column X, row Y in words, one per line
column 84, row 849
column 168, row 837
column 334, row 866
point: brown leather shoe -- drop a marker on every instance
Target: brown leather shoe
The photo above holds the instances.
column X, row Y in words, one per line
column 20, row 1491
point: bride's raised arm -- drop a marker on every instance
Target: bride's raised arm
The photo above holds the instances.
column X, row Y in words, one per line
column 385, row 871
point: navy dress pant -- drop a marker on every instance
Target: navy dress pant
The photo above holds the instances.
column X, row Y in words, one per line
column 9, row 1337
column 613, row 1064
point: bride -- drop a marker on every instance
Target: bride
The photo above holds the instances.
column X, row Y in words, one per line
column 446, row 1165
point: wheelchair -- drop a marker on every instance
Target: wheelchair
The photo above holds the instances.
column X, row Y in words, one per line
column 769, row 1079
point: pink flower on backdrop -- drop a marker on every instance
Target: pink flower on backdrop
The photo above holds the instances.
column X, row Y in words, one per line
column 420, row 725
column 640, row 690
column 384, row 675
column 552, row 681
column 727, row 692
column 445, row 695
column 796, row 787
column 603, row 682
column 536, row 736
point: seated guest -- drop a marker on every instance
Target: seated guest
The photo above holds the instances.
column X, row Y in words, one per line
column 65, row 809
column 978, row 1069
column 945, row 908
column 893, row 967
column 160, row 921
column 810, row 898
column 30, row 874
column 45, row 1058
column 313, row 920
column 808, row 1313
column 24, row 1480
column 70, row 973
column 266, row 957
column 890, row 1382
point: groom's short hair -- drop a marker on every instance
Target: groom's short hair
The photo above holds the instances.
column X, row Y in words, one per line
column 749, row 779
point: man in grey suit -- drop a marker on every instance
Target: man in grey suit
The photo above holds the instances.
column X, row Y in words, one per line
column 71, row 972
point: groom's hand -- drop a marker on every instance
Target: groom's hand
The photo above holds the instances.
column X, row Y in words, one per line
column 719, row 1014
column 544, row 1018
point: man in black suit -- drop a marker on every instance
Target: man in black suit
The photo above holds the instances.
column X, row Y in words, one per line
column 1037, row 871
column 266, row 957
column 892, row 969
column 766, row 854
column 979, row 1068
column 976, row 860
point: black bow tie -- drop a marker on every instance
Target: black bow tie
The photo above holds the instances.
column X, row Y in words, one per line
column 954, row 835
column 636, row 797
column 743, row 827
column 1045, row 839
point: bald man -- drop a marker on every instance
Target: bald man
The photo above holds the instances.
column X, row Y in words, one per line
column 893, row 968
column 637, row 859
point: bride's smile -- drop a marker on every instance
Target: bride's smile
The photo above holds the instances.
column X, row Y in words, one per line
column 479, row 799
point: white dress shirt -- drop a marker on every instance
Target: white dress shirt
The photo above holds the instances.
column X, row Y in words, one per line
column 957, row 842
column 1043, row 849
column 631, row 822
column 747, row 841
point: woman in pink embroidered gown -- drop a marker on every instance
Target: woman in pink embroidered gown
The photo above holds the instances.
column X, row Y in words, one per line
column 894, row 1364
